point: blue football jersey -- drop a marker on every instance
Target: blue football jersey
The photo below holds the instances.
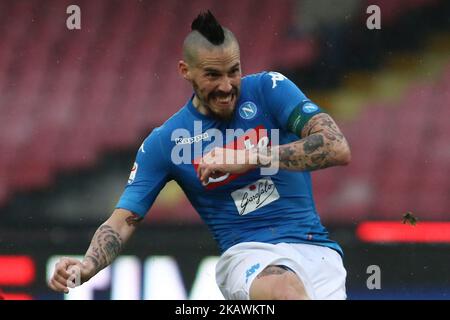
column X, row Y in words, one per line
column 260, row 206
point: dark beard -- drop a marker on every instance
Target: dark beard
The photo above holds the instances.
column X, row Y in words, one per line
column 225, row 117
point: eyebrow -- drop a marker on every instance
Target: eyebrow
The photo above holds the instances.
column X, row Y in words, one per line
column 217, row 71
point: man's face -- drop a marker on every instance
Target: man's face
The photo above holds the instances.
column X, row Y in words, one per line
column 216, row 79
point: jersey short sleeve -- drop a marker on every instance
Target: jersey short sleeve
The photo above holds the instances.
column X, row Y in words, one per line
column 148, row 176
column 286, row 102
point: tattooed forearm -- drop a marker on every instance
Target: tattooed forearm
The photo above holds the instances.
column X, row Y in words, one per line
column 105, row 247
column 312, row 143
column 309, row 153
column 323, row 146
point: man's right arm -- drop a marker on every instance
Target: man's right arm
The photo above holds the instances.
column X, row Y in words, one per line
column 148, row 176
column 106, row 244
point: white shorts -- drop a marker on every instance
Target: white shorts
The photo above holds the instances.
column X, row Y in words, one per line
column 320, row 268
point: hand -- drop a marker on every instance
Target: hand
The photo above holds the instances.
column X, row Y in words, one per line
column 70, row 273
column 220, row 161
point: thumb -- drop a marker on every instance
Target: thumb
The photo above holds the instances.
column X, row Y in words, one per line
column 74, row 271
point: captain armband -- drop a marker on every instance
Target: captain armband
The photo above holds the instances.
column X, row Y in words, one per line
column 301, row 114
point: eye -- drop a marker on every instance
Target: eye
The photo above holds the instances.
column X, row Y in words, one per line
column 234, row 71
column 212, row 74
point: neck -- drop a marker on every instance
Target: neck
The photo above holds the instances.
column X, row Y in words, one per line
column 199, row 106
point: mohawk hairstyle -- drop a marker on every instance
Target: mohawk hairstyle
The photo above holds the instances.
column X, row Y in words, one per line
column 209, row 27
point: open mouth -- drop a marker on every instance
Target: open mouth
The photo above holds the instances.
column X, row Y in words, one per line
column 224, row 101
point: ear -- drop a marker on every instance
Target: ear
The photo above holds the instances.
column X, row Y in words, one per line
column 183, row 69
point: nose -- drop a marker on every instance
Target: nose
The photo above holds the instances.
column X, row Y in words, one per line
column 225, row 85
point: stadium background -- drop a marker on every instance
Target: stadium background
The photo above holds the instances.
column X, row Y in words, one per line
column 75, row 106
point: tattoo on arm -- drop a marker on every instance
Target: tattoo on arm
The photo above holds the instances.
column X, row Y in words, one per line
column 323, row 145
column 105, row 247
column 133, row 219
column 312, row 143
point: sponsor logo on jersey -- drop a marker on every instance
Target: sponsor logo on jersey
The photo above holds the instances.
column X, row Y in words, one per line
column 276, row 76
column 191, row 140
column 309, row 107
column 133, row 173
column 248, row 110
column 142, row 148
column 251, row 138
column 254, row 196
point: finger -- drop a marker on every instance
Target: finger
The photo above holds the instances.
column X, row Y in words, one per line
column 59, row 279
column 50, row 285
column 74, row 268
column 58, row 286
column 205, row 175
column 75, row 276
column 202, row 169
column 202, row 173
column 62, row 273
column 199, row 171
column 61, row 269
column 72, row 261
column 215, row 174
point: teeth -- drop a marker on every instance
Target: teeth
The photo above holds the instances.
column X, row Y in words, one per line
column 225, row 100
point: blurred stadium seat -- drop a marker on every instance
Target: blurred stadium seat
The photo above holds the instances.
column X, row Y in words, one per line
column 400, row 153
column 69, row 95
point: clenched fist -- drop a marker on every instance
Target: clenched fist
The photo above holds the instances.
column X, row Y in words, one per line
column 70, row 273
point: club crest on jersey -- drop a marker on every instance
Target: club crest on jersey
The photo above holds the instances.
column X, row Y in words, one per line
column 309, row 107
column 254, row 196
column 248, row 110
column 133, row 173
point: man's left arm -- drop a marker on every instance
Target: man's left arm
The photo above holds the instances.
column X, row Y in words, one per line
column 322, row 145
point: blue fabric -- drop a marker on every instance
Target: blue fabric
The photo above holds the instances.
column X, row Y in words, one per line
column 237, row 208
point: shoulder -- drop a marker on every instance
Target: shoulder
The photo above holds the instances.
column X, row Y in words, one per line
column 255, row 79
column 153, row 149
column 154, row 140
column 266, row 81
